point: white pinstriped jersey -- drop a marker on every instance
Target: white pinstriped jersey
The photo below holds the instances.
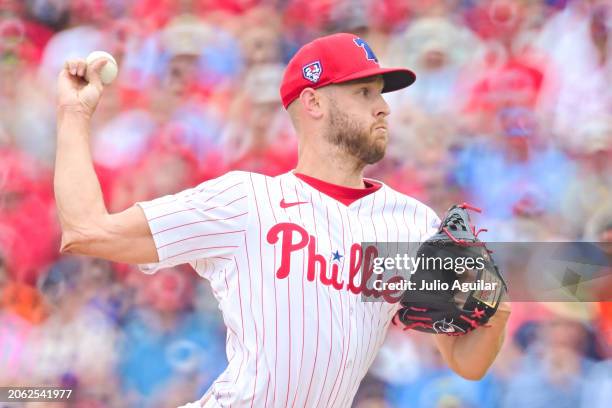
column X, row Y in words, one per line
column 280, row 257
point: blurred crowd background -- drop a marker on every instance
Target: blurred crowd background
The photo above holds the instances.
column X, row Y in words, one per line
column 511, row 111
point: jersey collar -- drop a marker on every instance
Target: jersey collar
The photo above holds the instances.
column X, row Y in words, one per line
column 343, row 194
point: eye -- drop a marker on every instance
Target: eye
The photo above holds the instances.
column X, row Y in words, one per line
column 365, row 91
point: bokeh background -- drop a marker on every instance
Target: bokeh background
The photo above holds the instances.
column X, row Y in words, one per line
column 511, row 111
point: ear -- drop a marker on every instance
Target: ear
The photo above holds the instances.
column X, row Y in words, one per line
column 312, row 102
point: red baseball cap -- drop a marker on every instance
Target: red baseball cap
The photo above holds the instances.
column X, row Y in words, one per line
column 335, row 59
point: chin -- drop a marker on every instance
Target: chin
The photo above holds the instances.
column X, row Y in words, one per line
column 380, row 138
column 380, row 143
column 375, row 155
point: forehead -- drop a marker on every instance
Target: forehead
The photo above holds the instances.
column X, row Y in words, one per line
column 372, row 80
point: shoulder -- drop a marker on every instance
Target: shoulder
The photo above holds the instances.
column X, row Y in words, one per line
column 244, row 183
column 412, row 206
column 257, row 179
column 234, row 175
column 251, row 176
column 401, row 197
column 240, row 179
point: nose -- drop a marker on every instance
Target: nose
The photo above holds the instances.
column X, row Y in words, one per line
column 382, row 108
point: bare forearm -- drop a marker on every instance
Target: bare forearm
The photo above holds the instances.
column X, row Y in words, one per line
column 87, row 227
column 478, row 349
column 77, row 190
column 472, row 355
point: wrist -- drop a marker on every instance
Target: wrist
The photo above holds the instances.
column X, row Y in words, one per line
column 501, row 315
column 73, row 112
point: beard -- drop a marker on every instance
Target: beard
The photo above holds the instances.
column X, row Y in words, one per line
column 353, row 137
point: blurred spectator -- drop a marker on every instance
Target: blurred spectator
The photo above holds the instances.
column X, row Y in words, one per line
column 166, row 167
column 78, row 338
column 20, row 310
column 53, row 14
column 24, row 301
column 260, row 42
column 591, row 187
column 577, row 39
column 21, row 109
column 511, row 111
column 597, row 391
column 553, row 369
column 258, row 135
column 604, row 327
column 122, row 141
column 3, row 274
column 518, row 160
column 437, row 49
column 29, row 233
column 200, row 57
column 166, row 343
column 422, row 379
column 505, row 21
column 503, row 82
column 597, row 229
column 76, row 42
column 371, row 394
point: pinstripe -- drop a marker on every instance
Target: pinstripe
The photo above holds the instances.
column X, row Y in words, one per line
column 222, row 228
column 248, row 262
column 342, row 314
column 261, row 271
column 200, row 236
column 331, row 320
column 314, row 364
column 199, row 222
column 280, row 182
column 275, row 297
column 297, row 198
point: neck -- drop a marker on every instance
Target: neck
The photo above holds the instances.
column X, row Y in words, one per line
column 329, row 163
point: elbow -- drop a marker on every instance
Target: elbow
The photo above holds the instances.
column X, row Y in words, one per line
column 69, row 243
column 472, row 375
column 469, row 369
column 74, row 241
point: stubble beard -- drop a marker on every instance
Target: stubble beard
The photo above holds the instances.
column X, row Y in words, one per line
column 353, row 139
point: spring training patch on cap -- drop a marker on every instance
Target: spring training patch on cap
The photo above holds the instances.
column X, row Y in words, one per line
column 312, row 71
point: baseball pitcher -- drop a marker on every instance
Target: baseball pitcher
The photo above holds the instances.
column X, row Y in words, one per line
column 284, row 255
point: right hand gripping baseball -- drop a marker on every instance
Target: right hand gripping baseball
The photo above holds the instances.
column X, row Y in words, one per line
column 74, row 92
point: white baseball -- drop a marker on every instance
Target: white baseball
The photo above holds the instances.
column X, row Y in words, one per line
column 109, row 70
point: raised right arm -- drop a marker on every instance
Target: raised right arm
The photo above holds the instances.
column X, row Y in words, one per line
column 87, row 227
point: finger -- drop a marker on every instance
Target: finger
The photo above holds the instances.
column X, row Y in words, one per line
column 73, row 66
column 70, row 66
column 93, row 72
column 81, row 68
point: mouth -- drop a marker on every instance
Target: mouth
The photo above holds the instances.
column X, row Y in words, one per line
column 382, row 129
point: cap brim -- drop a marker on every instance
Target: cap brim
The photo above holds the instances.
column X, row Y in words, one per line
column 395, row 78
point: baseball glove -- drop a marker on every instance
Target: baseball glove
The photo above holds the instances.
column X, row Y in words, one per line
column 450, row 294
